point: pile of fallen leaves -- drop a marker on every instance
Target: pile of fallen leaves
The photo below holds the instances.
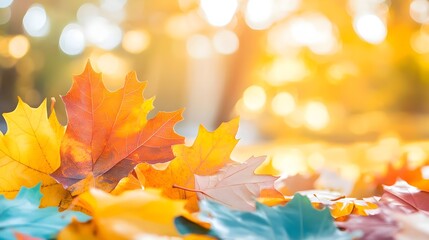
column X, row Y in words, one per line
column 114, row 174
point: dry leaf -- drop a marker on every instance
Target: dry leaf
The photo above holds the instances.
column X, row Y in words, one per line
column 235, row 185
column 78, row 231
column 373, row 227
column 413, row 226
column 129, row 215
column 20, row 236
column 209, row 153
column 108, row 133
column 405, row 198
column 267, row 168
column 126, row 184
column 413, row 176
column 29, row 152
column 289, row 185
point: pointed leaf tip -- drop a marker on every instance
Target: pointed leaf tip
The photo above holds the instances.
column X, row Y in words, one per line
column 30, row 152
column 31, row 194
column 132, row 75
column 234, row 178
column 119, row 135
column 88, row 65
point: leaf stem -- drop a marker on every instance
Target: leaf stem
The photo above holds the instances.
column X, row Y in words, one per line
column 188, row 189
column 338, row 198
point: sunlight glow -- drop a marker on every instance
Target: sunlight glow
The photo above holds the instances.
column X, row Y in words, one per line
column 100, row 32
column 370, row 28
column 5, row 3
column 259, row 13
column 419, row 11
column 36, row 22
column 290, row 161
column 225, row 42
column 316, row 115
column 219, row 12
column 199, row 46
column 136, row 41
column 72, row 39
column 19, row 46
column 286, row 69
column 419, row 42
column 254, row 98
column 283, row 104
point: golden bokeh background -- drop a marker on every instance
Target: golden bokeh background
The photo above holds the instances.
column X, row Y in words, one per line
column 296, row 71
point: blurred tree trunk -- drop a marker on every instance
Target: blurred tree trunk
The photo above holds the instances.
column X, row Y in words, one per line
column 241, row 69
column 8, row 76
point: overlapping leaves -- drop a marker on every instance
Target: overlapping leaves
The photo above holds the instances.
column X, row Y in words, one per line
column 29, row 152
column 131, row 215
column 297, row 220
column 108, row 133
column 106, row 163
column 22, row 215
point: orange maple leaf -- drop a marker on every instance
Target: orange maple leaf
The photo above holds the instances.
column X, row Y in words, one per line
column 108, row 133
column 412, row 176
column 209, row 153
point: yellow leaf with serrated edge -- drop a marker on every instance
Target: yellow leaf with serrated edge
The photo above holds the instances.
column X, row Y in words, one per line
column 210, row 152
column 29, row 152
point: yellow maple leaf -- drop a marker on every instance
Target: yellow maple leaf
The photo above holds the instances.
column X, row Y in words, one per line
column 78, row 231
column 210, row 152
column 342, row 209
column 29, row 152
column 267, row 168
column 130, row 215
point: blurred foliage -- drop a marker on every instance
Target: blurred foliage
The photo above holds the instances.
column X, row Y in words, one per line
column 347, row 70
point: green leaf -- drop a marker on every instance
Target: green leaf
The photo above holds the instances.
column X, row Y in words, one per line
column 23, row 215
column 297, row 220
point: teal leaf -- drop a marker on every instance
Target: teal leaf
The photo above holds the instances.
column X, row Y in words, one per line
column 186, row 226
column 296, row 220
column 23, row 215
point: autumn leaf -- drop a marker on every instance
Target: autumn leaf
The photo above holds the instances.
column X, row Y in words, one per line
column 29, row 152
column 403, row 171
column 379, row 226
column 133, row 181
column 389, row 224
column 127, row 183
column 364, row 186
column 267, row 168
column 345, row 207
column 340, row 206
column 209, row 153
column 319, row 198
column 130, row 215
column 108, row 132
column 24, row 216
column 78, row 231
column 197, row 237
column 413, row 226
column 405, row 198
column 235, row 185
column 289, row 185
column 20, row 236
column 297, row 220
